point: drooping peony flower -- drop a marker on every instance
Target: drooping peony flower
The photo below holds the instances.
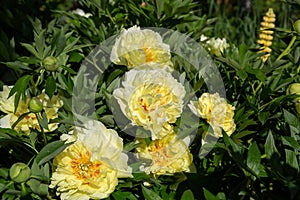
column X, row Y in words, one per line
column 30, row 121
column 90, row 167
column 135, row 47
column 167, row 156
column 217, row 112
column 152, row 99
column 214, row 46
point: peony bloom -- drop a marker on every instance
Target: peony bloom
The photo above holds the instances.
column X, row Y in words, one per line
column 135, row 47
column 90, row 167
column 30, row 121
column 214, row 46
column 152, row 99
column 167, row 156
column 217, row 112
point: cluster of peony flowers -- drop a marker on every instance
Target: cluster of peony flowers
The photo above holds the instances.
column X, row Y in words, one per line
column 214, row 46
column 150, row 97
column 30, row 121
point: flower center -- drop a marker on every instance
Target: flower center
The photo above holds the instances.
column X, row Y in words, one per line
column 152, row 97
column 83, row 168
column 159, row 153
column 150, row 56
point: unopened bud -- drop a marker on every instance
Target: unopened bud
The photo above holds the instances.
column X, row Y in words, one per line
column 35, row 105
column 297, row 26
column 294, row 88
column 50, row 63
column 19, row 172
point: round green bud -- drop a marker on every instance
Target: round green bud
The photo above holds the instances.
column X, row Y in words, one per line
column 294, row 88
column 297, row 26
column 19, row 172
column 35, row 105
column 50, row 63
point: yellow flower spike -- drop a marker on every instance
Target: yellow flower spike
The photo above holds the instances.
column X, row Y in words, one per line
column 265, row 36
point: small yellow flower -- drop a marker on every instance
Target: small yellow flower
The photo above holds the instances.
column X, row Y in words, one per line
column 30, row 121
column 90, row 167
column 265, row 36
column 167, row 156
column 135, row 47
column 152, row 99
column 217, row 112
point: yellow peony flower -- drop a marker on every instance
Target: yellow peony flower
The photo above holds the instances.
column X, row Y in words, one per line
column 167, row 156
column 217, row 112
column 90, row 167
column 152, row 99
column 135, row 47
column 30, row 121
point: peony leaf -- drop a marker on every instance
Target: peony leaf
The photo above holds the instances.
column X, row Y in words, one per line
column 50, row 151
column 150, row 195
column 50, row 86
column 187, row 195
column 19, row 89
column 254, row 158
column 209, row 195
column 270, row 147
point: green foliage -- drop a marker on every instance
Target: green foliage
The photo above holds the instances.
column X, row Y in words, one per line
column 260, row 160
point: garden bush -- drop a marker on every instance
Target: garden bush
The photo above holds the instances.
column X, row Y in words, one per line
column 152, row 99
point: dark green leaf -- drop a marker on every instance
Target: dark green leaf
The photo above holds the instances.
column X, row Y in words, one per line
column 291, row 142
column 50, row 151
column 32, row 50
column 270, row 147
column 263, row 117
column 42, row 119
column 209, row 195
column 149, row 194
column 37, row 187
column 253, row 158
column 291, row 159
column 20, row 89
column 291, row 119
column 50, row 86
column 187, row 195
column 17, row 65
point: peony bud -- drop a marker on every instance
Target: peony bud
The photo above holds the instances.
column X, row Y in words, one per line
column 50, row 64
column 294, row 88
column 297, row 26
column 19, row 172
column 35, row 105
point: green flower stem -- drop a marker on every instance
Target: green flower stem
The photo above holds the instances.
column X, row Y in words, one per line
column 42, row 130
column 286, row 51
column 23, row 190
column 258, row 87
